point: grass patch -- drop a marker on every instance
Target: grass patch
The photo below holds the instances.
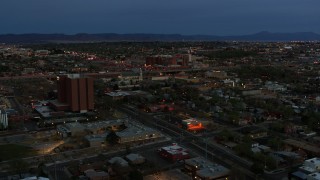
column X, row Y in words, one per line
column 14, row 151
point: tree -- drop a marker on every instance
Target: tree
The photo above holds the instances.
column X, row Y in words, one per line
column 226, row 135
column 40, row 170
column 128, row 149
column 257, row 168
column 115, row 87
column 237, row 174
column 244, row 149
column 135, row 175
column 1, row 126
column 101, row 157
column 112, row 138
column 275, row 143
column 271, row 163
column 18, row 166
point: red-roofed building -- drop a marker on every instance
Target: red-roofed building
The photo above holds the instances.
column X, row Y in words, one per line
column 174, row 152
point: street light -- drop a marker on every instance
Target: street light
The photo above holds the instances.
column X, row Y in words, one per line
column 206, row 141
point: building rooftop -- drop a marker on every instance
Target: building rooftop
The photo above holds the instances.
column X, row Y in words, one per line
column 35, row 178
column 174, row 174
column 92, row 173
column 303, row 145
column 76, row 76
column 134, row 130
column 315, row 161
column 213, row 172
column 101, row 124
column 57, row 103
column 300, row 175
column 175, row 149
column 135, row 158
column 119, row 161
column 45, row 111
column 307, row 169
column 190, row 121
column 74, row 125
column 314, row 176
column 198, row 162
column 96, row 137
column 117, row 94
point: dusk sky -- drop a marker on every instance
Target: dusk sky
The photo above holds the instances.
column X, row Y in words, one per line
column 211, row 17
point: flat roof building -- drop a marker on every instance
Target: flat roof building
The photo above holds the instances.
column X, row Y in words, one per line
column 201, row 168
column 137, row 133
column 314, row 176
column 215, row 172
column 309, row 170
column 135, row 158
column 174, row 152
column 310, row 148
column 311, row 165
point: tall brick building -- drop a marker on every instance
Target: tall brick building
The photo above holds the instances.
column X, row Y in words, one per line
column 76, row 91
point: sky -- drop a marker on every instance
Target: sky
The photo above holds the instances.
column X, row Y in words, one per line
column 187, row 17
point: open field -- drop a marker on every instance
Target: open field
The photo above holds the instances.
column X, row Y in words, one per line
column 13, row 151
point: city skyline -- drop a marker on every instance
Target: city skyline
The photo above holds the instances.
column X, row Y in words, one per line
column 228, row 17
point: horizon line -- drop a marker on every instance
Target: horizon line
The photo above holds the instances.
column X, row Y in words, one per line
column 79, row 33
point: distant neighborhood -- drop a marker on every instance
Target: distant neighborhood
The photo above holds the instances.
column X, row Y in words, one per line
column 160, row 110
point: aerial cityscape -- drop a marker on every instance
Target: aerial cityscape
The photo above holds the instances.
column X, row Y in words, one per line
column 144, row 94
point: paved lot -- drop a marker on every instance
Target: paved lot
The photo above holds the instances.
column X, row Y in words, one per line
column 174, row 174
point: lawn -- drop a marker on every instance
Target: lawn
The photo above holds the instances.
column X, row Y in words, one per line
column 13, row 151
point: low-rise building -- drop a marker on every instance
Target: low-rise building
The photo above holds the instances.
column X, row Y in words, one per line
column 96, row 175
column 96, row 140
column 135, row 158
column 308, row 147
column 172, row 174
column 99, row 127
column 201, row 168
column 274, row 86
column 216, row 74
column 311, row 165
column 35, row 178
column 137, row 133
column 254, row 132
column 174, row 152
column 70, row 129
column 314, row 176
column 309, row 170
column 3, row 120
column 119, row 161
column 192, row 125
column 216, row 172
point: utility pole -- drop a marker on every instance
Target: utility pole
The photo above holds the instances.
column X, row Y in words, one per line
column 206, row 139
column 55, row 170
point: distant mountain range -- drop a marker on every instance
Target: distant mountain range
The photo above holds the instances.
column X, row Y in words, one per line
column 112, row 37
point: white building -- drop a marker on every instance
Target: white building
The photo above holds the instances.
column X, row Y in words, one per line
column 314, row 176
column 3, row 119
column 311, row 165
column 310, row 170
column 274, row 86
